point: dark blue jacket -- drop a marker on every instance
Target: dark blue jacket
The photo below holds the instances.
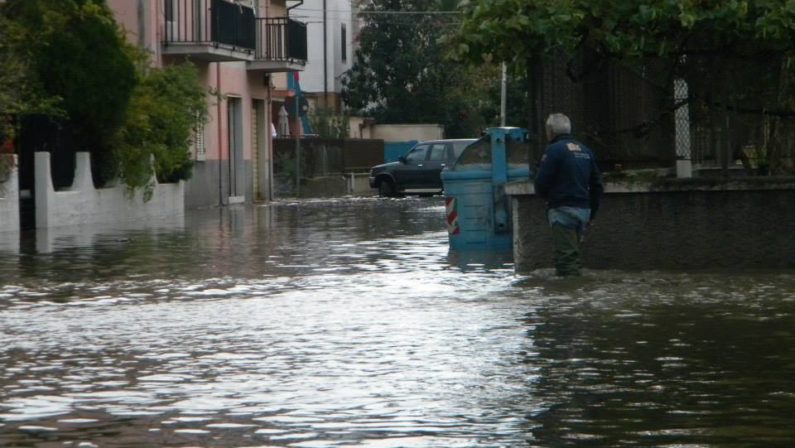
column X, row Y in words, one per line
column 568, row 175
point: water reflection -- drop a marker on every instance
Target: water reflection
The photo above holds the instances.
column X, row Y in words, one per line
column 348, row 323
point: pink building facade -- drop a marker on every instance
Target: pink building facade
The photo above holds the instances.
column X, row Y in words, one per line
column 243, row 50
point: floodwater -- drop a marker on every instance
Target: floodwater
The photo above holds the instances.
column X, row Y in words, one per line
column 346, row 323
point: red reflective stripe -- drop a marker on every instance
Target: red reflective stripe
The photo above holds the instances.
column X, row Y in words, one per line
column 452, row 217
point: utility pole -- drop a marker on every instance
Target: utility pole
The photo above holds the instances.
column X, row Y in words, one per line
column 325, row 56
column 297, row 147
column 503, row 94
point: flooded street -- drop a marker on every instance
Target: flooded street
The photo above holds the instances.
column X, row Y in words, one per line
column 346, row 323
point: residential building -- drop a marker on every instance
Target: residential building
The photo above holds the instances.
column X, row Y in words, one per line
column 243, row 50
column 330, row 32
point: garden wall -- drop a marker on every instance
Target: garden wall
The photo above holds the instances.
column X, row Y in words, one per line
column 692, row 224
column 83, row 204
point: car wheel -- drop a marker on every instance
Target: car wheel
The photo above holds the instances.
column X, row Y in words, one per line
column 386, row 189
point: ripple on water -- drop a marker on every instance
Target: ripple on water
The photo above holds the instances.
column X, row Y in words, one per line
column 325, row 323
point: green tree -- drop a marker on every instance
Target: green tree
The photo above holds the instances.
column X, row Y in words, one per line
column 402, row 73
column 737, row 56
column 77, row 53
column 12, row 85
column 17, row 79
column 521, row 29
column 14, row 76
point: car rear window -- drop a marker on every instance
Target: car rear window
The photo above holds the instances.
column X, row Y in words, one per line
column 458, row 147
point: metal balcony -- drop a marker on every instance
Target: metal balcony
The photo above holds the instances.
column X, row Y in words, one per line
column 281, row 45
column 209, row 30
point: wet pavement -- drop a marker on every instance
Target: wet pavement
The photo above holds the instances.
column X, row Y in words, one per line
column 346, row 323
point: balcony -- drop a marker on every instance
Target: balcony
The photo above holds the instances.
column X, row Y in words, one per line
column 281, row 45
column 209, row 30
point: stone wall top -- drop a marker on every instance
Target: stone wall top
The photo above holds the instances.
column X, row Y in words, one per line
column 674, row 185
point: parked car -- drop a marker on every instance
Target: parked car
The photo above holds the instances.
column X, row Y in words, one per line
column 419, row 171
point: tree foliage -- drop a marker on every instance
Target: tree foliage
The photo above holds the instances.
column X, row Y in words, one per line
column 328, row 124
column 518, row 29
column 76, row 52
column 402, row 73
column 69, row 59
column 737, row 55
column 18, row 93
column 739, row 40
column 166, row 107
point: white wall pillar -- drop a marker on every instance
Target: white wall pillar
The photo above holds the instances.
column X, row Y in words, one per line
column 9, row 198
column 43, row 187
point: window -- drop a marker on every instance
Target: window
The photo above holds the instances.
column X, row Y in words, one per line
column 458, row 147
column 343, row 43
column 417, row 154
column 476, row 153
column 438, row 152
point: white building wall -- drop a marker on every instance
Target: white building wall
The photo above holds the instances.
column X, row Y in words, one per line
column 338, row 13
column 406, row 132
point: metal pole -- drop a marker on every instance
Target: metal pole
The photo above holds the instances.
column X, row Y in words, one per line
column 503, row 94
column 297, row 149
column 325, row 56
column 727, row 151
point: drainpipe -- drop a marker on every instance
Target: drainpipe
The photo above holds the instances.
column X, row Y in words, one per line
column 220, row 139
column 269, row 152
column 325, row 57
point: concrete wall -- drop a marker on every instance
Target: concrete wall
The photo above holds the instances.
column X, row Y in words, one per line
column 678, row 225
column 359, row 128
column 9, row 200
column 83, row 204
column 202, row 189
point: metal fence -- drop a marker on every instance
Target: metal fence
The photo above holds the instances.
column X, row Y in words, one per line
column 615, row 110
column 298, row 160
column 645, row 117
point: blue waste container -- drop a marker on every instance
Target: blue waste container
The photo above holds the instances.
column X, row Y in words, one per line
column 478, row 211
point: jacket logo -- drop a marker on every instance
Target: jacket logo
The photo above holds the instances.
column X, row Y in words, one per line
column 573, row 147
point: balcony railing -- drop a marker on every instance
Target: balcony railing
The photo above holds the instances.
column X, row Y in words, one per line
column 210, row 29
column 281, row 42
column 219, row 30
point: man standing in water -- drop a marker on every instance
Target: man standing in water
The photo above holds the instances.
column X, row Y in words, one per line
column 569, row 180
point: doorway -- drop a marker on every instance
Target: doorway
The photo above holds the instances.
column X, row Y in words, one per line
column 260, row 160
column 235, row 162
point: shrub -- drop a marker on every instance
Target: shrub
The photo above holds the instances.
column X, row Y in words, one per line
column 165, row 107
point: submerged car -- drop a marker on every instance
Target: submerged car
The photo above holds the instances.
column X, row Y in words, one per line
column 419, row 171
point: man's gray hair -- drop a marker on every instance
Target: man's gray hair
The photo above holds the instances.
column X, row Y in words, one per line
column 558, row 124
